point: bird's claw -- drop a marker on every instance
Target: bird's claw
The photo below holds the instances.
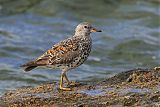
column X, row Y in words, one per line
column 65, row 88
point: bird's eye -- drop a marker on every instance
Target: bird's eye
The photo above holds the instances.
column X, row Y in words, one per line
column 85, row 26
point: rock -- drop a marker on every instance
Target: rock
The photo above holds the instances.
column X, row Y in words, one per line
column 139, row 87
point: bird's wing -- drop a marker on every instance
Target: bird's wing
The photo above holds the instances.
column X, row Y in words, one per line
column 62, row 53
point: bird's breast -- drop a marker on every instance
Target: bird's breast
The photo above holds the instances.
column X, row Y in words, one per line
column 85, row 49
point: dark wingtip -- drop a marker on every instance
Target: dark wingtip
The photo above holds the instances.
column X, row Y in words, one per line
column 29, row 68
column 99, row 31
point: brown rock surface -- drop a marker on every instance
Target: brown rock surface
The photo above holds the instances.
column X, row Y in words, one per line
column 139, row 87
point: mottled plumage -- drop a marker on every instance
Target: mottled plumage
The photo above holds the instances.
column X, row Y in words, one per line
column 67, row 54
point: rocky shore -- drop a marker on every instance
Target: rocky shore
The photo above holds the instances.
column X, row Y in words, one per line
column 138, row 87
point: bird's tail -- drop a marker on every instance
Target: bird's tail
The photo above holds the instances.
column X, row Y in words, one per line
column 29, row 66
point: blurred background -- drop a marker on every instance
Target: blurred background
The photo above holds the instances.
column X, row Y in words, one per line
column 130, row 37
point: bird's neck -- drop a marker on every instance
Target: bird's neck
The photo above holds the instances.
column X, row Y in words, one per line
column 82, row 35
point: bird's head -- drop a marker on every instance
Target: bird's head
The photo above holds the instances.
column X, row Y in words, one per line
column 85, row 28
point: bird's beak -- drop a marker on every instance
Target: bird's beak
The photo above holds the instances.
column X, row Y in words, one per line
column 94, row 30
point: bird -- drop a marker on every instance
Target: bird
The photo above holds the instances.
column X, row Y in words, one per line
column 67, row 54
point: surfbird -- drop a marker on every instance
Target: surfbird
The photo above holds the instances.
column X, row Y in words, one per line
column 67, row 54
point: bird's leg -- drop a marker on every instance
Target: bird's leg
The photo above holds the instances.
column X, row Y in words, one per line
column 61, row 81
column 70, row 83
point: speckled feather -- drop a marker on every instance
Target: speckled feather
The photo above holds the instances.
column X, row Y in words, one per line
column 66, row 54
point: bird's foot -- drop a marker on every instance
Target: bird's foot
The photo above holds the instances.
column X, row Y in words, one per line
column 65, row 88
column 73, row 83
